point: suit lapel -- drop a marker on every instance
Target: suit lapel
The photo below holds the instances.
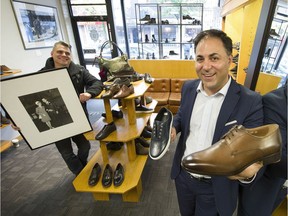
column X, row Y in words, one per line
column 191, row 97
column 227, row 108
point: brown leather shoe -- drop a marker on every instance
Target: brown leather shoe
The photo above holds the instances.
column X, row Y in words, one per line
column 236, row 150
column 124, row 91
column 114, row 89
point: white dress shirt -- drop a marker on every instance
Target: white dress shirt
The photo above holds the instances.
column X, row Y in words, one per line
column 204, row 118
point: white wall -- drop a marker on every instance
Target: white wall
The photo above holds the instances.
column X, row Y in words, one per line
column 13, row 53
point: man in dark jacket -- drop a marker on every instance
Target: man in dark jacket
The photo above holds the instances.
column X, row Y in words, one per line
column 263, row 197
column 87, row 86
column 210, row 107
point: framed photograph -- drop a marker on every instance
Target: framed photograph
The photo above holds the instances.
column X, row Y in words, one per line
column 45, row 106
column 38, row 24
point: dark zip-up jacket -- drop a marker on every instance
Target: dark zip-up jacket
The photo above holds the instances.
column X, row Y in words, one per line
column 82, row 80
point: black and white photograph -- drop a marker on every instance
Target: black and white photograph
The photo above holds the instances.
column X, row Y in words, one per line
column 46, row 111
column 38, row 24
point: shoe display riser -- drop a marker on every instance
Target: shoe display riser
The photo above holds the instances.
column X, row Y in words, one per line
column 131, row 188
column 127, row 130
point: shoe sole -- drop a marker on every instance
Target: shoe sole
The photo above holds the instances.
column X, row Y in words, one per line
column 168, row 143
column 270, row 159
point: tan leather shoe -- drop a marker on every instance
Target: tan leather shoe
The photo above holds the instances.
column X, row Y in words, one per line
column 124, row 91
column 114, row 89
column 237, row 149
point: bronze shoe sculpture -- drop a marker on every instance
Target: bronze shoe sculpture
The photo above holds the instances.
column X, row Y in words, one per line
column 236, row 150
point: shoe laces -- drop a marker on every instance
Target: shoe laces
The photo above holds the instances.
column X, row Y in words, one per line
column 157, row 129
column 231, row 133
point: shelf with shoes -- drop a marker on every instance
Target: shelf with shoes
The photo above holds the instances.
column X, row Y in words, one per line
column 128, row 128
column 175, row 25
column 275, row 44
column 235, row 59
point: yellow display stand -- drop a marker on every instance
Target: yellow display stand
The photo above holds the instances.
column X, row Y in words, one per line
column 128, row 128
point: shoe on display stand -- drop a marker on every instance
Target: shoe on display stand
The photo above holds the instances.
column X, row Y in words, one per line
column 107, row 177
column 143, row 109
column 146, row 18
column 140, row 149
column 114, row 146
column 115, row 113
column 106, row 131
column 95, row 175
column 171, row 52
column 118, row 175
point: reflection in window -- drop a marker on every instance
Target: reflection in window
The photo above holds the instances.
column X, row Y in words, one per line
column 87, row 2
column 89, row 10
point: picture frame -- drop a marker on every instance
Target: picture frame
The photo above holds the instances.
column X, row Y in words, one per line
column 24, row 98
column 39, row 25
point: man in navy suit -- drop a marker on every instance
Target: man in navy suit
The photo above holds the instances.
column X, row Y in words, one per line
column 264, row 196
column 210, row 106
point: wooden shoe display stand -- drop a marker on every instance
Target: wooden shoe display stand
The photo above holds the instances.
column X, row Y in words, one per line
column 128, row 128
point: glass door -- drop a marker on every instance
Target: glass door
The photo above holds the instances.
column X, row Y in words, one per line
column 91, row 29
column 92, row 36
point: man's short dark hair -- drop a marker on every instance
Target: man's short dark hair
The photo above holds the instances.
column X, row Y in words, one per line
column 226, row 40
column 63, row 44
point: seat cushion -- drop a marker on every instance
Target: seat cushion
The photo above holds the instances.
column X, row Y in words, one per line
column 160, row 85
column 174, row 98
column 176, row 84
column 161, row 97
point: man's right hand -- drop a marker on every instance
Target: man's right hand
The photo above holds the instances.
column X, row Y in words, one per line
column 15, row 127
column 173, row 134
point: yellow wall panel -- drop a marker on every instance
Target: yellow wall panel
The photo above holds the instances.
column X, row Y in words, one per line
column 241, row 26
column 250, row 22
column 267, row 82
column 233, row 25
column 163, row 68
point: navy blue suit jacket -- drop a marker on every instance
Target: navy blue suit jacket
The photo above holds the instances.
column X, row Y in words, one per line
column 262, row 197
column 240, row 104
column 275, row 111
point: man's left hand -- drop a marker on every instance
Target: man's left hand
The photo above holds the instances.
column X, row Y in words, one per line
column 84, row 97
column 248, row 173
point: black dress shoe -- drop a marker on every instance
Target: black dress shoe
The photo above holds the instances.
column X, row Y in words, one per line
column 95, row 175
column 118, row 175
column 115, row 113
column 148, row 78
column 143, row 142
column 107, row 176
column 148, row 99
column 114, row 146
column 160, row 139
column 106, row 131
column 140, row 149
column 143, row 109
column 146, row 133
